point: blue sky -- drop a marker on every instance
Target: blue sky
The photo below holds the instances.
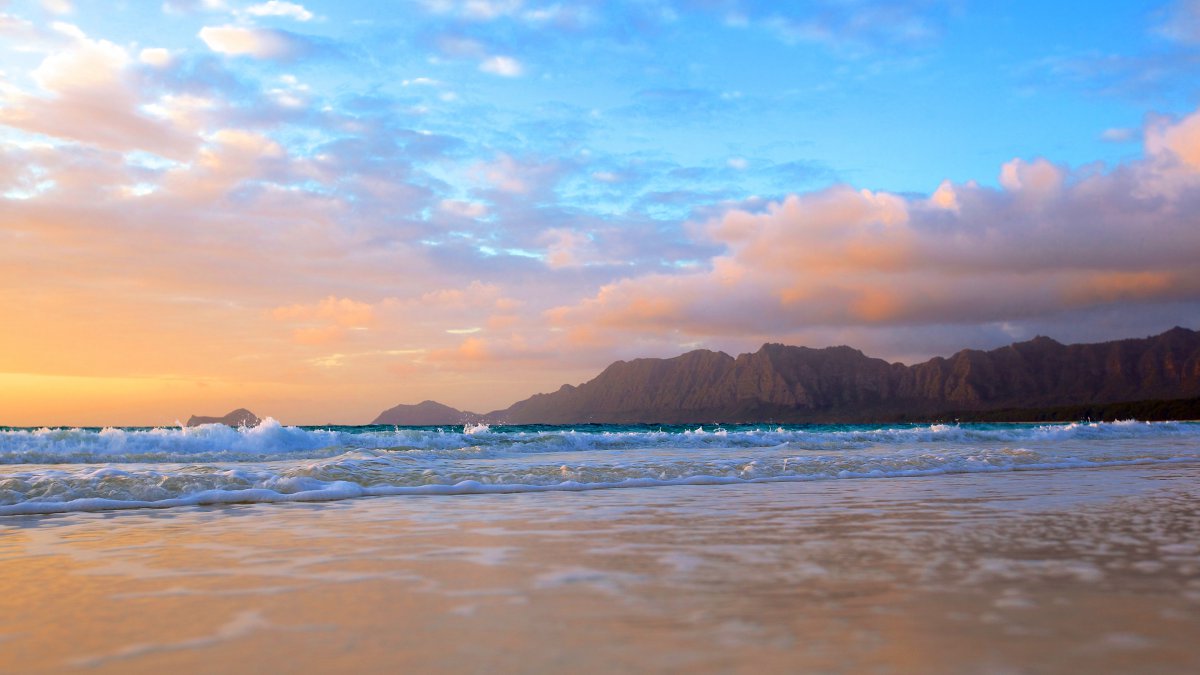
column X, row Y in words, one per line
column 894, row 96
column 478, row 199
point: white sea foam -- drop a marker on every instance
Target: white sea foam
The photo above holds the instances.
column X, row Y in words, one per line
column 59, row 470
column 271, row 440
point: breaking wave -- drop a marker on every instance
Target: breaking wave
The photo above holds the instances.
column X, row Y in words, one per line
column 60, row 470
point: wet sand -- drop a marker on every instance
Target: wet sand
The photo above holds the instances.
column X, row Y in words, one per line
column 1088, row 570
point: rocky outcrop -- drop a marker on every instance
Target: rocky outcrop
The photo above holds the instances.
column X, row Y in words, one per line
column 425, row 413
column 840, row 384
column 237, row 418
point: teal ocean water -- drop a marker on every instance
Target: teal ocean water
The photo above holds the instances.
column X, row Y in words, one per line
column 57, row 470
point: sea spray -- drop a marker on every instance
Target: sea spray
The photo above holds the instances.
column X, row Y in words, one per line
column 57, row 470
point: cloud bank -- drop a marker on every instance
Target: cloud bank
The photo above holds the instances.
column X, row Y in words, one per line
column 1050, row 240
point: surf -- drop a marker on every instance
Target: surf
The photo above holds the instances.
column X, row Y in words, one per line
column 58, row 470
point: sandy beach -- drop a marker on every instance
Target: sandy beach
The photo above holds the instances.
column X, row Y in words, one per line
column 1087, row 570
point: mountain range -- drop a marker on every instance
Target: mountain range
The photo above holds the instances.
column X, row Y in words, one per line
column 780, row 383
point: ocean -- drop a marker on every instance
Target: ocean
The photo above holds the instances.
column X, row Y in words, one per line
column 57, row 470
column 869, row 548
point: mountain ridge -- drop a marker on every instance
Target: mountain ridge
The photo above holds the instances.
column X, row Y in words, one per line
column 782, row 383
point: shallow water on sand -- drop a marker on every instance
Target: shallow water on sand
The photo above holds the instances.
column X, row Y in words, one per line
column 1086, row 570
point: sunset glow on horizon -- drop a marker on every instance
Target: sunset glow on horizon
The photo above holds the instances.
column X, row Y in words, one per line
column 319, row 210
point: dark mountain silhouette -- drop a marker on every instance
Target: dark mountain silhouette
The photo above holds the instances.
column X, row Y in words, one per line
column 1040, row 379
column 840, row 384
column 237, row 418
column 425, row 413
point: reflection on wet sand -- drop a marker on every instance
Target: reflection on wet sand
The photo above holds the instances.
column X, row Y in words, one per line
column 1070, row 571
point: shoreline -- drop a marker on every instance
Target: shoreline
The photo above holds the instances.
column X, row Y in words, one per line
column 963, row 573
column 474, row 488
column 82, row 470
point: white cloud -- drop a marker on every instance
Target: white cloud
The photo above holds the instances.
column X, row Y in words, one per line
column 505, row 66
column 289, row 10
column 58, row 6
column 486, row 10
column 68, row 29
column 186, row 6
column 156, row 56
column 260, row 43
column 475, row 10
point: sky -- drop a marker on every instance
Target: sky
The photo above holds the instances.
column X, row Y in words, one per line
column 319, row 210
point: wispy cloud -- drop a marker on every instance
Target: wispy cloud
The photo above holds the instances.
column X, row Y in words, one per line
column 848, row 28
column 58, row 6
column 262, row 43
column 1181, row 22
column 505, row 66
column 188, row 6
column 276, row 8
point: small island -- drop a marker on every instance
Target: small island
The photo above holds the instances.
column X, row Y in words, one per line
column 236, row 418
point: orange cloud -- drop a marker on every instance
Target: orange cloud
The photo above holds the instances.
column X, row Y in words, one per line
column 1106, row 287
column 476, row 295
column 1038, row 178
column 514, row 350
column 228, row 159
column 342, row 312
column 319, row 335
column 945, row 197
column 565, row 248
column 877, row 305
column 1180, row 139
column 471, row 352
column 1048, row 241
column 334, row 318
